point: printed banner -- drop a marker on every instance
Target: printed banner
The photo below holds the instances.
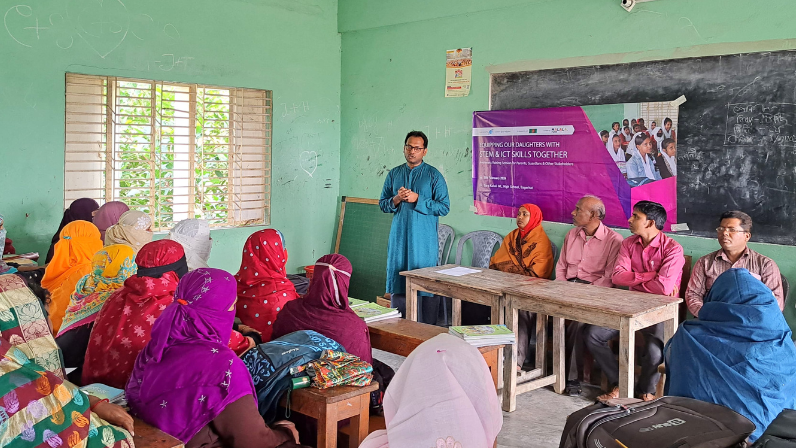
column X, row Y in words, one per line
column 458, row 67
column 553, row 157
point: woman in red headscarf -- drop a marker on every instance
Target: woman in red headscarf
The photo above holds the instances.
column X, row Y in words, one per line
column 124, row 324
column 325, row 309
column 263, row 286
column 526, row 250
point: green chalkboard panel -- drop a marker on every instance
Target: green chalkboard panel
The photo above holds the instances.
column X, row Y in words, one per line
column 362, row 237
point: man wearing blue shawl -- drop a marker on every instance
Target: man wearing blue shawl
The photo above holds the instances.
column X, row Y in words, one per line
column 739, row 353
column 416, row 193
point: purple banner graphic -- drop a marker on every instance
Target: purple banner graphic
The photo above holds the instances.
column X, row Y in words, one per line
column 553, row 157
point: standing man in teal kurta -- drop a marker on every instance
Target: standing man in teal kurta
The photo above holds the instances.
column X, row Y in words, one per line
column 418, row 195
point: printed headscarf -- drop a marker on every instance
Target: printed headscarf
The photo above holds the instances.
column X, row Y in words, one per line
column 187, row 375
column 108, row 215
column 110, row 267
column 194, row 235
column 263, row 286
column 132, row 229
column 124, row 324
column 325, row 309
column 80, row 210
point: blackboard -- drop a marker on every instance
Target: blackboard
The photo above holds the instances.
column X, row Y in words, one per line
column 736, row 134
column 362, row 236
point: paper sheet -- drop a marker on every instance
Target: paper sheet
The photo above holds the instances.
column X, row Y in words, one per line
column 458, row 271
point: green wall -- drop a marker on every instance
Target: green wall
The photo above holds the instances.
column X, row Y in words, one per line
column 603, row 116
column 289, row 46
column 393, row 56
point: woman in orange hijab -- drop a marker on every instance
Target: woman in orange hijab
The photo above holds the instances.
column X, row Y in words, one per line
column 79, row 241
column 526, row 250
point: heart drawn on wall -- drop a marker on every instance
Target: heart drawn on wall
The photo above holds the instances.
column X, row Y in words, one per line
column 102, row 25
column 309, row 161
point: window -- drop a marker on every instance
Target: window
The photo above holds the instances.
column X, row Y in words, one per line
column 174, row 151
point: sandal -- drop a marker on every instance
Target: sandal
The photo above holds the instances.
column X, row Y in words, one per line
column 614, row 393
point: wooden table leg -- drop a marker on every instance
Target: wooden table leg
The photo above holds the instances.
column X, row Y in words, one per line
column 411, row 300
column 627, row 362
column 559, row 367
column 541, row 342
column 360, row 423
column 510, row 362
column 498, row 319
column 670, row 326
column 327, row 428
column 456, row 313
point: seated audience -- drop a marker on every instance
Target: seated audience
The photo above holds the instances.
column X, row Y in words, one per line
column 605, row 135
column 72, row 256
column 41, row 409
column 642, row 163
column 110, row 267
column 648, row 261
column 614, row 147
column 194, row 235
column 668, row 131
column 188, row 383
column 325, row 309
column 109, row 215
column 615, row 130
column 588, row 255
column 526, row 250
column 626, row 136
column 263, row 287
column 738, row 354
column 4, row 268
column 442, row 396
column 80, row 210
column 134, row 229
column 124, row 324
column 734, row 231
column 666, row 161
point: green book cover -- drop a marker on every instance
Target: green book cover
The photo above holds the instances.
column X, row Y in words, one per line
column 481, row 331
column 372, row 310
column 103, row 391
column 353, row 303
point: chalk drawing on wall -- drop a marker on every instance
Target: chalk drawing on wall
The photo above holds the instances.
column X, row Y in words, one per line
column 309, row 162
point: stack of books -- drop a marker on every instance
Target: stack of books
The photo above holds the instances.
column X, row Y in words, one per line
column 484, row 335
column 353, row 303
column 371, row 312
column 105, row 392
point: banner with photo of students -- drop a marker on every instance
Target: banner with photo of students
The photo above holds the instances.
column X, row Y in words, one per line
column 621, row 153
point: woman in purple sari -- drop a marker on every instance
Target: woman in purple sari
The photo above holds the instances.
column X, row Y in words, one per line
column 188, row 383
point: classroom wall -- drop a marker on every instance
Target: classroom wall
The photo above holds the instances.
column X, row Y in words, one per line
column 289, row 46
column 393, row 56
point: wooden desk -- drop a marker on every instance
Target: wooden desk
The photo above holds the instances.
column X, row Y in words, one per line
column 147, row 436
column 401, row 336
column 622, row 310
column 485, row 288
column 329, row 406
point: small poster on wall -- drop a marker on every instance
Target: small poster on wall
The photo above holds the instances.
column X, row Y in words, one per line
column 458, row 66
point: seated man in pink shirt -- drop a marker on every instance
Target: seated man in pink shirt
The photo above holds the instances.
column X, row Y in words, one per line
column 587, row 256
column 734, row 231
column 648, row 261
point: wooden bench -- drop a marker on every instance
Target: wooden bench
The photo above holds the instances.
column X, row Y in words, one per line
column 147, row 436
column 401, row 336
column 329, row 406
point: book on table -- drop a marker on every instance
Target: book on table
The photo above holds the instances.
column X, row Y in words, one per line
column 371, row 312
column 484, row 335
column 105, row 392
column 353, row 303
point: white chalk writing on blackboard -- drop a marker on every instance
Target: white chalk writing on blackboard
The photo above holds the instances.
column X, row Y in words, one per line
column 761, row 124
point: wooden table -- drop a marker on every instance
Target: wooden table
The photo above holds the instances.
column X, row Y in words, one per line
column 622, row 310
column 147, row 436
column 401, row 336
column 329, row 406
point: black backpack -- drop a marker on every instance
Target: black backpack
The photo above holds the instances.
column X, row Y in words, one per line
column 781, row 433
column 668, row 422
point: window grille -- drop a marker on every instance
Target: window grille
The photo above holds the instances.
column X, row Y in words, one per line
column 171, row 150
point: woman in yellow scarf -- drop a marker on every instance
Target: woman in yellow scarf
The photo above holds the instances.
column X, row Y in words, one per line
column 526, row 250
column 110, row 267
column 79, row 241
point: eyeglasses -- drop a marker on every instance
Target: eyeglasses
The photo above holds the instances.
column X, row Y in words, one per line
column 732, row 231
column 410, row 148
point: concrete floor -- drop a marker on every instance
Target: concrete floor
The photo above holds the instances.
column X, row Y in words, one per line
column 539, row 418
